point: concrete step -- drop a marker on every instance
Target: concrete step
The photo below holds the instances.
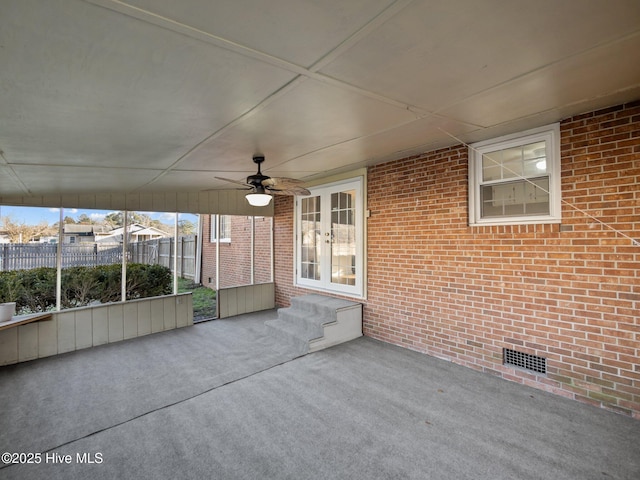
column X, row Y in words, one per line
column 314, row 322
column 290, row 334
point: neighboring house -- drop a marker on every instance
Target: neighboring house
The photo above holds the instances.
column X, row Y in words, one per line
column 74, row 233
column 137, row 233
column 49, row 239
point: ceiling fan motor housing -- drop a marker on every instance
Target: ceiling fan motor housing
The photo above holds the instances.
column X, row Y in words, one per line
column 256, row 179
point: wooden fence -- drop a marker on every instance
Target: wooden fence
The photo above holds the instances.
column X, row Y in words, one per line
column 21, row 256
column 161, row 251
column 25, row 256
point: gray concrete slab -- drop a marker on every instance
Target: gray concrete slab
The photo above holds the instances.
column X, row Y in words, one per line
column 360, row 410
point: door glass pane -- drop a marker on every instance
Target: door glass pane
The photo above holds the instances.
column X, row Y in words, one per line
column 343, row 238
column 310, row 241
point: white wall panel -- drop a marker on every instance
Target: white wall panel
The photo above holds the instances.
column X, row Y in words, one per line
column 27, row 342
column 47, row 338
column 66, row 331
column 245, row 299
column 85, row 327
column 8, row 346
column 144, row 318
column 100, row 323
column 184, row 311
column 116, row 322
column 169, row 313
column 130, row 320
column 157, row 317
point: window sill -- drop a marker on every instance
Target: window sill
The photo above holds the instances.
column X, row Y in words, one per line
column 515, row 221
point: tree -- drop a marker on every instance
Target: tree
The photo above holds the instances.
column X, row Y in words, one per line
column 114, row 219
column 20, row 232
column 186, row 227
column 85, row 219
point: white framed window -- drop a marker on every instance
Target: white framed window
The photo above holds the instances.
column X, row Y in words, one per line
column 330, row 238
column 222, row 227
column 515, row 179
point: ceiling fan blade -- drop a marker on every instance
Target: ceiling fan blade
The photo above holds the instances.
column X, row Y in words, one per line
column 281, row 183
column 293, row 190
column 236, row 182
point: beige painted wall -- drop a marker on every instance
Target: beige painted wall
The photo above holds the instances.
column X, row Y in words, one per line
column 245, row 299
column 79, row 328
column 227, row 202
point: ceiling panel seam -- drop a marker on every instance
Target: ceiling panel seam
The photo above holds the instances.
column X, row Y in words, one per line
column 192, row 32
column 302, row 72
column 542, row 68
column 264, row 103
column 14, row 175
column 359, row 34
column 312, row 72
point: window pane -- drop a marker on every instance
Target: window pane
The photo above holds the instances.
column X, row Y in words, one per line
column 310, row 238
column 28, row 246
column 91, row 257
column 245, row 256
column 152, row 252
column 526, row 197
column 343, row 238
column 522, row 161
column 224, row 227
column 534, row 151
column 512, row 168
column 492, row 166
column 536, row 197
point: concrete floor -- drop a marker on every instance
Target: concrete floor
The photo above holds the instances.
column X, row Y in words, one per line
column 225, row 400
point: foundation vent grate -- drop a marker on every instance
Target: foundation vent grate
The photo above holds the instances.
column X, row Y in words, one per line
column 525, row 360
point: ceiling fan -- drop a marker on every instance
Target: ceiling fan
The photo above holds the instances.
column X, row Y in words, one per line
column 262, row 186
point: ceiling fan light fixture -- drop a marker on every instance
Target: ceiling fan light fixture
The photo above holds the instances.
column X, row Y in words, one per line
column 261, row 186
column 258, row 199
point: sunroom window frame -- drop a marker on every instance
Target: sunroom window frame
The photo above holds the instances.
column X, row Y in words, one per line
column 550, row 134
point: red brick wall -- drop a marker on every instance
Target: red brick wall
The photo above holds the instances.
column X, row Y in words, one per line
column 283, row 251
column 235, row 256
column 569, row 293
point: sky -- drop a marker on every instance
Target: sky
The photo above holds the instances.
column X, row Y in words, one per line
column 35, row 215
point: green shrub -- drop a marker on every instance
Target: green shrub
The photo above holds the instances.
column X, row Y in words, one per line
column 10, row 286
column 38, row 292
column 109, row 278
column 148, row 281
column 80, row 286
column 35, row 290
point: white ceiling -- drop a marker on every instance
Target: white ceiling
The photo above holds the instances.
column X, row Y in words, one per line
column 162, row 95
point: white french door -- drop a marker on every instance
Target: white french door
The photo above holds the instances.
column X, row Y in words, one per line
column 329, row 238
